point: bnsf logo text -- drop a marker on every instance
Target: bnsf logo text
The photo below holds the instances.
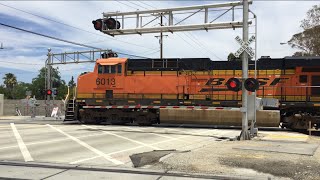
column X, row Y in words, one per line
column 222, row 82
column 262, row 81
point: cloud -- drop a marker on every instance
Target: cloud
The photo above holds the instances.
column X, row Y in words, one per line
column 277, row 21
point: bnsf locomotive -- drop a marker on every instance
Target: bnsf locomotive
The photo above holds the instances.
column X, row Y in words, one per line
column 122, row 90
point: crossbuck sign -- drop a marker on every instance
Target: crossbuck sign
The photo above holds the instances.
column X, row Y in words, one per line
column 245, row 46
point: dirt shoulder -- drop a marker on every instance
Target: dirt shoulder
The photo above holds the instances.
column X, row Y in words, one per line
column 222, row 158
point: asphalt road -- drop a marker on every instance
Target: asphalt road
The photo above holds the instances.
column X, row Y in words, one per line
column 103, row 145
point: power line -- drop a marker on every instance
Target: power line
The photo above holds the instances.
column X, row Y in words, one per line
column 19, row 63
column 59, row 39
column 199, row 50
column 137, row 4
column 132, row 55
column 72, row 26
column 147, row 4
column 47, row 36
column 125, row 4
column 194, row 39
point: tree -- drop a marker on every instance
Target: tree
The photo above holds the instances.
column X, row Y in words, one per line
column 10, row 81
column 20, row 90
column 232, row 57
column 38, row 84
column 308, row 41
column 71, row 83
column 3, row 91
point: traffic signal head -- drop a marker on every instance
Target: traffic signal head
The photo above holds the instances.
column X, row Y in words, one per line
column 49, row 92
column 97, row 24
column 234, row 84
column 251, row 84
column 112, row 23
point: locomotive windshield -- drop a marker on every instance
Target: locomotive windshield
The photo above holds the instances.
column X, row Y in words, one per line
column 109, row 69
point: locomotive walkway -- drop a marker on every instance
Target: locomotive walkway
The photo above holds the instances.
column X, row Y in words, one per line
column 50, row 149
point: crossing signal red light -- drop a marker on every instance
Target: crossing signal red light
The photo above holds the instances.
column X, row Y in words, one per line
column 97, row 24
column 234, row 84
column 49, row 92
column 251, row 84
column 112, row 23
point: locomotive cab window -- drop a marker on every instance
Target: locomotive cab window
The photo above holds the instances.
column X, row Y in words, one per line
column 110, row 69
column 119, row 69
column 100, row 69
column 303, row 79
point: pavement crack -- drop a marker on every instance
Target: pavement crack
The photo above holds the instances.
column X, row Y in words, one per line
column 55, row 174
column 159, row 177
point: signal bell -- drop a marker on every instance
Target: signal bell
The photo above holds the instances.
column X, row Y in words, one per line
column 251, row 84
column 234, row 84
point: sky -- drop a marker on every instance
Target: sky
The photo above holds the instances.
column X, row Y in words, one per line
column 24, row 54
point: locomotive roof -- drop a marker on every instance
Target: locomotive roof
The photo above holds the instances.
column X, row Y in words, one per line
column 111, row 61
column 208, row 64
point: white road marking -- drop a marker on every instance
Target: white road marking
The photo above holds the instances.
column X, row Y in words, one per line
column 31, row 126
column 131, row 140
column 100, row 153
column 52, row 141
column 124, row 150
column 23, row 148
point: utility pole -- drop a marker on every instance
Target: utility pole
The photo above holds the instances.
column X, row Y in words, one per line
column 161, row 38
column 245, row 134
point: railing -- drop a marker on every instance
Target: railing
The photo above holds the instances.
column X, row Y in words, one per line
column 66, row 101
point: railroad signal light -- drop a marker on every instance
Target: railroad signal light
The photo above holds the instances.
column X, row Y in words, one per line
column 109, row 54
column 49, row 92
column 112, row 23
column 54, row 91
column 234, row 84
column 97, row 24
column 251, row 84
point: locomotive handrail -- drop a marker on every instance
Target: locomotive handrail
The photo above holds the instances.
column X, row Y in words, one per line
column 67, row 98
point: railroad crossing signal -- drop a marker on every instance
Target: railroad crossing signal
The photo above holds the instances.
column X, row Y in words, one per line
column 251, row 84
column 97, row 24
column 234, row 84
column 49, row 92
column 109, row 23
column 54, row 92
column 245, row 46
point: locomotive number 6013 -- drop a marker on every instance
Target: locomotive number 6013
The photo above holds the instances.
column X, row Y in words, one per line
column 103, row 81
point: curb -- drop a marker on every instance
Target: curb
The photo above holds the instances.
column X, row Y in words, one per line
column 117, row 170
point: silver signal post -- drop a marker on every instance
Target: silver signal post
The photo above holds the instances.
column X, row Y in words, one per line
column 245, row 134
